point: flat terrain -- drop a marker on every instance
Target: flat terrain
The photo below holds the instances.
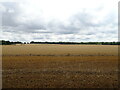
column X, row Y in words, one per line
column 60, row 66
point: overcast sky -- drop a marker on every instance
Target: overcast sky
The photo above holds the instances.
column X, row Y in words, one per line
column 59, row 20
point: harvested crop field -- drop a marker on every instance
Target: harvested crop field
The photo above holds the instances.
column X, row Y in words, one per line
column 60, row 66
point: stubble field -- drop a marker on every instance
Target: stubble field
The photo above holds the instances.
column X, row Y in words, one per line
column 60, row 66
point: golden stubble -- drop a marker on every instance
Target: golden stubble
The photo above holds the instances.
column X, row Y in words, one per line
column 60, row 66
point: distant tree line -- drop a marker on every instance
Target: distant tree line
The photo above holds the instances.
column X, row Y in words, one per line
column 3, row 42
column 97, row 43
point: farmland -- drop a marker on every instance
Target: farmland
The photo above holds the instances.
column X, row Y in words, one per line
column 60, row 66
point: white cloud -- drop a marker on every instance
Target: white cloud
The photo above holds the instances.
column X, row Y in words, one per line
column 60, row 20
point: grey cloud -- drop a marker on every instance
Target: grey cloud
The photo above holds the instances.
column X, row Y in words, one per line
column 10, row 14
column 83, row 20
column 38, row 38
column 10, row 21
column 62, row 28
column 80, row 23
column 34, row 26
